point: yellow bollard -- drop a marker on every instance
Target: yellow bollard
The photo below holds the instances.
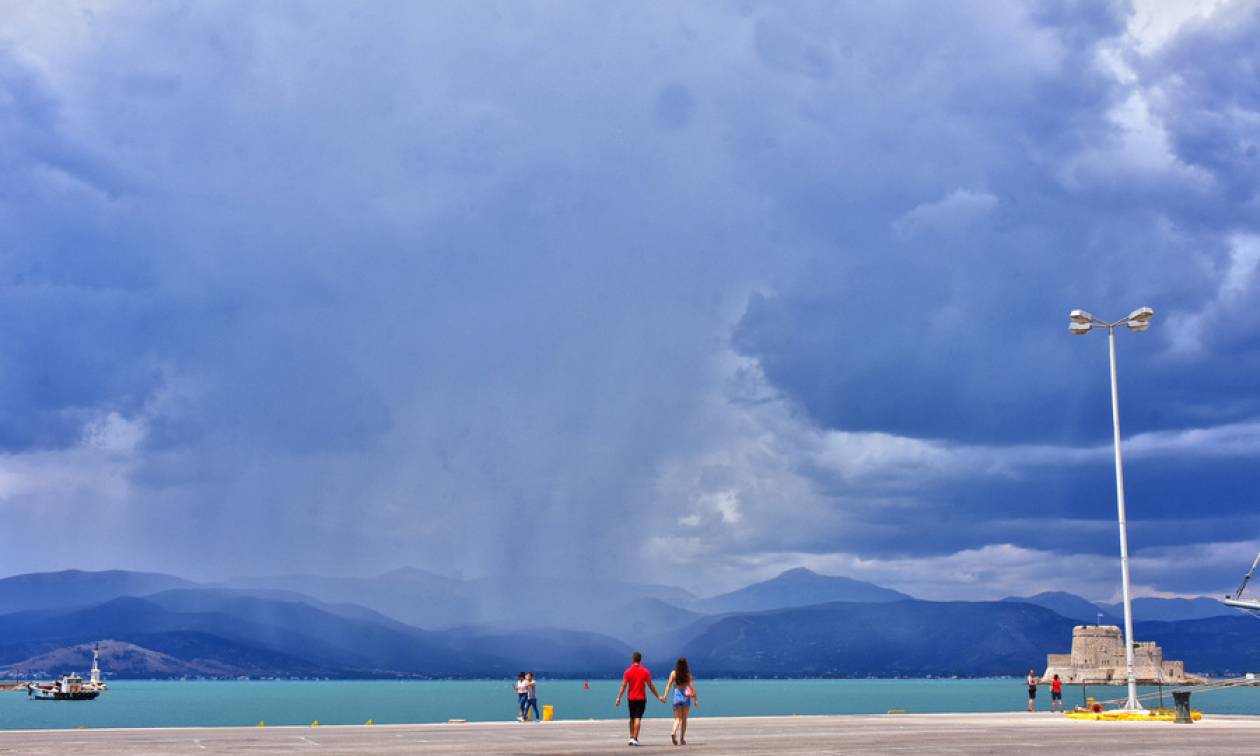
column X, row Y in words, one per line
column 369, row 721
column 262, row 723
column 549, row 713
column 315, row 723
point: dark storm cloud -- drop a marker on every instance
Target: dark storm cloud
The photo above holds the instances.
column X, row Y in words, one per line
column 327, row 287
column 1208, row 114
column 945, row 318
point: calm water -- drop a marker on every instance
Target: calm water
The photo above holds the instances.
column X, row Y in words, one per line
column 140, row 703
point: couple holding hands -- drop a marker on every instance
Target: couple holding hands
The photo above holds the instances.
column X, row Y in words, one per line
column 634, row 684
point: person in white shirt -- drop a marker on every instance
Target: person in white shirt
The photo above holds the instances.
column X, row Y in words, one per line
column 522, row 696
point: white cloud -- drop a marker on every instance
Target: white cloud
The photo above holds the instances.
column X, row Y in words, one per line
column 1235, row 282
column 1138, row 150
column 1244, row 256
column 855, row 456
column 867, row 456
column 104, row 462
column 1155, row 22
column 100, row 465
column 674, row 549
column 984, row 573
column 996, row 571
column 761, row 485
column 1232, row 440
column 952, row 213
column 113, row 433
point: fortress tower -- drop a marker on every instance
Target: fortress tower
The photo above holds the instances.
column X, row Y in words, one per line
column 1097, row 658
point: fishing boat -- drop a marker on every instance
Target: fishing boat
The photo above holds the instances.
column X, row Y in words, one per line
column 70, row 687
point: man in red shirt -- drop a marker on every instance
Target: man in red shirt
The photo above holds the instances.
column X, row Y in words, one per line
column 637, row 678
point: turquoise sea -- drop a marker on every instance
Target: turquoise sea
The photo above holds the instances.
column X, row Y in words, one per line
column 146, row 703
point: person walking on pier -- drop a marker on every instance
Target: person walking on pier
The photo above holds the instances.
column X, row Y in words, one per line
column 1056, row 693
column 1032, row 690
column 684, row 686
column 633, row 684
column 522, row 695
column 531, row 696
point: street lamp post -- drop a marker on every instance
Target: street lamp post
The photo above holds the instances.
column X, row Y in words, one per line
column 1138, row 320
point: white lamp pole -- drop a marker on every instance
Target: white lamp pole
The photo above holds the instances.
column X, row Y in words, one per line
column 1138, row 320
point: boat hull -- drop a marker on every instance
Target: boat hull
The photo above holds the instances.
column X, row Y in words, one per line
column 85, row 695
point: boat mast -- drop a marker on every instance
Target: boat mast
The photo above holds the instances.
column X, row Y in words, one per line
column 1238, row 594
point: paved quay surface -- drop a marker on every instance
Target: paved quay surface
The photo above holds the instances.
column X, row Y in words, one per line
column 908, row 733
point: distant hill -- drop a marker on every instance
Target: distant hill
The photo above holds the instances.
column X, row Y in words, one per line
column 56, row 590
column 117, row 655
column 224, row 599
column 202, row 656
column 576, row 602
column 550, row 653
column 796, row 587
column 842, row 639
column 141, row 621
column 1173, row 609
column 886, row 639
column 1144, row 609
column 424, row 599
column 1211, row 645
column 408, row 595
column 920, row 638
column 210, row 629
column 578, row 627
column 1071, row 606
column 638, row 621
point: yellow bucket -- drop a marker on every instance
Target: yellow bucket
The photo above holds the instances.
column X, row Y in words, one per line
column 549, row 713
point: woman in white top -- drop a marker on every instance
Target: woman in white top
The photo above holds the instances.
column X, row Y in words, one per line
column 522, row 696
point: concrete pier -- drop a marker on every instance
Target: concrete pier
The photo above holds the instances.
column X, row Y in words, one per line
column 909, row 733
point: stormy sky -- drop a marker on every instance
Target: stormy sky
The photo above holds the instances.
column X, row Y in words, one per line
column 679, row 292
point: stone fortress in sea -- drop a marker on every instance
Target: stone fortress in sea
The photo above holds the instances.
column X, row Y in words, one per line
column 1097, row 658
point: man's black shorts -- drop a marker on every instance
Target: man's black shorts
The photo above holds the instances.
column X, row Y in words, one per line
column 1056, row 696
column 636, row 708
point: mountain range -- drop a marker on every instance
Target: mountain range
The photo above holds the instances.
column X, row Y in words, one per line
column 411, row 623
column 49, row 590
column 796, row 587
column 1146, row 609
column 433, row 601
